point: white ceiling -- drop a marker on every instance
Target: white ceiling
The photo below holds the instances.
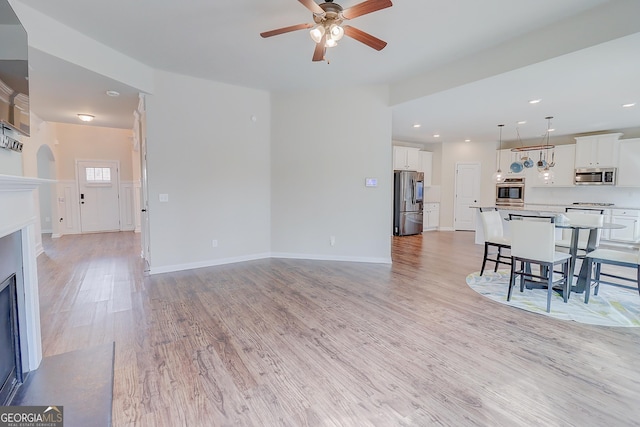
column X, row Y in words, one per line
column 220, row 41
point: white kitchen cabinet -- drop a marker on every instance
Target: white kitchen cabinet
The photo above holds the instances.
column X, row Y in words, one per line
column 597, row 151
column 630, row 218
column 629, row 163
column 431, row 216
column 426, row 166
column 563, row 171
column 406, row 158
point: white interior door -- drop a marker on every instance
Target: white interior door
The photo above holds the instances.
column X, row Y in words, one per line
column 467, row 195
column 98, row 187
column 144, row 203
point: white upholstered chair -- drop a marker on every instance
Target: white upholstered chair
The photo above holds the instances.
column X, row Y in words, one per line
column 494, row 238
column 581, row 217
column 533, row 242
column 612, row 257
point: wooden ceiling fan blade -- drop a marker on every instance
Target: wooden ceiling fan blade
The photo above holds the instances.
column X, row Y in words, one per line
column 321, row 48
column 312, row 6
column 365, row 7
column 363, row 37
column 285, row 30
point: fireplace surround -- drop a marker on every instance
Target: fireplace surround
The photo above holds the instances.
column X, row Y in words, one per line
column 18, row 219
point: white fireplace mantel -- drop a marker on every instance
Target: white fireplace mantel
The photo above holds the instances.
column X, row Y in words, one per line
column 18, row 212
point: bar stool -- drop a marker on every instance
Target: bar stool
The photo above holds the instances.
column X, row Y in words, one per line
column 612, row 257
column 494, row 238
column 533, row 242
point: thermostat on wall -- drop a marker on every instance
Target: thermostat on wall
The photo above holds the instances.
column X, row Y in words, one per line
column 371, row 182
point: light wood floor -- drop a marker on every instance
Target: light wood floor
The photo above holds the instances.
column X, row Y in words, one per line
column 310, row 343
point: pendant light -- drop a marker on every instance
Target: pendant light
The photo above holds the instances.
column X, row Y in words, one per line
column 498, row 176
column 545, row 174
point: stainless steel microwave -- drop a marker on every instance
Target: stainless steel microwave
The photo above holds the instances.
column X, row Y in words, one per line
column 595, row 176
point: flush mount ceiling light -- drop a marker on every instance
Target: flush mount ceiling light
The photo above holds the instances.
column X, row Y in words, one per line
column 328, row 27
column 113, row 93
column 86, row 117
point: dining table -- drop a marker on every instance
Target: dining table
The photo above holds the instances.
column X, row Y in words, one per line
column 581, row 281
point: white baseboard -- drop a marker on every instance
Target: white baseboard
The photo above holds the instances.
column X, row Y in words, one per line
column 446, row 229
column 331, row 258
column 207, row 263
column 223, row 261
column 56, row 236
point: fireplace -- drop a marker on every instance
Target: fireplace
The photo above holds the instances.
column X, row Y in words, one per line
column 18, row 272
column 10, row 360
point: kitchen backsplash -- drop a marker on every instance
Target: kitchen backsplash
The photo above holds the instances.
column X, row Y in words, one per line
column 619, row 196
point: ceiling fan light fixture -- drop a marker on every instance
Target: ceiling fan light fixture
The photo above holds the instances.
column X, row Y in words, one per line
column 336, row 32
column 316, row 33
column 330, row 42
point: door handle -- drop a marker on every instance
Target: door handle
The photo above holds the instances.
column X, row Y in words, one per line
column 144, row 210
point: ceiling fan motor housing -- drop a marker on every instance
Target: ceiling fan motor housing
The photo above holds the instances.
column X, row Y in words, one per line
column 332, row 13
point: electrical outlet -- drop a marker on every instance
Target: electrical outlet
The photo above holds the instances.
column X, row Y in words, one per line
column 214, row 243
column 332, row 240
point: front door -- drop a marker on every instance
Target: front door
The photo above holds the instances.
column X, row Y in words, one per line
column 98, row 187
column 467, row 195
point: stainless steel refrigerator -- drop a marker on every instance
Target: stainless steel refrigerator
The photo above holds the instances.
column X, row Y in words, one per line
column 408, row 189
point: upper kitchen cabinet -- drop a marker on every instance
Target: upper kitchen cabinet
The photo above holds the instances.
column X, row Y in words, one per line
column 597, row 151
column 426, row 166
column 406, row 158
column 629, row 163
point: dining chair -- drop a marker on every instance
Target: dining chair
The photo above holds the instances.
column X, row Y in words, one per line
column 533, row 242
column 585, row 218
column 494, row 238
column 612, row 257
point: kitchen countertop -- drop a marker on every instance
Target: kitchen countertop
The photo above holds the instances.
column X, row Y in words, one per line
column 571, row 205
column 536, row 206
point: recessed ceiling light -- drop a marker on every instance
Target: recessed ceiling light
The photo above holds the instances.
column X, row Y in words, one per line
column 113, row 93
column 631, row 104
column 436, row 135
column 467, row 140
column 551, row 130
column 521, row 122
column 417, row 125
column 534, row 101
column 86, row 117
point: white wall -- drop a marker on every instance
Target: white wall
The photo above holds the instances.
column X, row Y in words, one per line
column 477, row 152
column 213, row 161
column 323, row 148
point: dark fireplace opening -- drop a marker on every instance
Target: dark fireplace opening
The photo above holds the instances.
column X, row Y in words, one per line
column 10, row 360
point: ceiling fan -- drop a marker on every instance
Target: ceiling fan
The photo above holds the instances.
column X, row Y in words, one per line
column 328, row 28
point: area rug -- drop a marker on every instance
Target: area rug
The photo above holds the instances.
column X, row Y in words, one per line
column 613, row 306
